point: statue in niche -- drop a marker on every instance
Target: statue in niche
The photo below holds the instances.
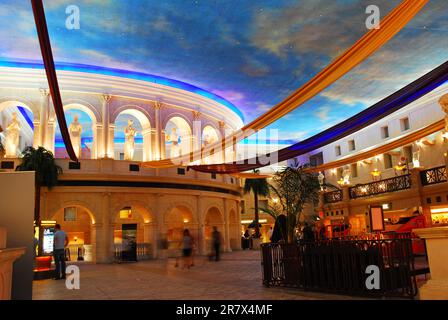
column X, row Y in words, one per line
column 12, row 137
column 321, row 179
column 175, row 145
column 75, row 130
column 443, row 101
column 416, row 154
column 129, row 143
column 346, row 175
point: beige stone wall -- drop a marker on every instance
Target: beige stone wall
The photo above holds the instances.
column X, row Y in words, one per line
column 159, row 213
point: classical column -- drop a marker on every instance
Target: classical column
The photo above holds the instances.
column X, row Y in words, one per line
column 158, row 143
column 50, row 133
column 222, row 132
column 197, row 130
column 201, row 227
column 110, row 141
column 147, row 154
column 105, row 98
column 41, row 129
column 227, row 247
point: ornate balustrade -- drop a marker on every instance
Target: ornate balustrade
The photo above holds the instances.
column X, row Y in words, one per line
column 433, row 175
column 333, row 196
column 378, row 187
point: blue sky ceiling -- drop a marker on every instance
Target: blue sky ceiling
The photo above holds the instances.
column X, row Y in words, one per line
column 251, row 53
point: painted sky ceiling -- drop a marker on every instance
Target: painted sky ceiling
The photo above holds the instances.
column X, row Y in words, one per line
column 252, row 53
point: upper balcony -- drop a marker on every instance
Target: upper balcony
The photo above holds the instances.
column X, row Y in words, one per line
column 425, row 178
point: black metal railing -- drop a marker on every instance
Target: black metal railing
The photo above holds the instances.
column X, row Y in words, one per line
column 333, row 196
column 378, row 187
column 142, row 252
column 340, row 266
column 433, row 176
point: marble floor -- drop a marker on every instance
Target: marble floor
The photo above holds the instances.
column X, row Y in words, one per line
column 237, row 276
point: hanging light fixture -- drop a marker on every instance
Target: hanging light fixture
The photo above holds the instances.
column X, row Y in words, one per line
column 401, row 166
column 376, row 174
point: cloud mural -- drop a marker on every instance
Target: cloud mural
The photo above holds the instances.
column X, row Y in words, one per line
column 252, row 53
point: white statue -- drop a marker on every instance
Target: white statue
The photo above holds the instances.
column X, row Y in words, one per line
column 346, row 175
column 443, row 101
column 75, row 130
column 129, row 143
column 321, row 178
column 12, row 137
column 416, row 154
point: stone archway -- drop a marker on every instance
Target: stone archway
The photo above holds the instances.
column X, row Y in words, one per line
column 178, row 218
column 178, row 137
column 136, row 214
column 213, row 218
column 77, row 221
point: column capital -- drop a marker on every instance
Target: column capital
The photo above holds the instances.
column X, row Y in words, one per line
column 157, row 105
column 196, row 114
column 44, row 92
column 105, row 97
column 106, row 194
column 221, row 124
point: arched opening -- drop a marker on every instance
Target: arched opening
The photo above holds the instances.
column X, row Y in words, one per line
column 77, row 222
column 133, row 233
column 210, row 136
column 213, row 218
column 81, row 123
column 132, row 136
column 17, row 128
column 178, row 139
column 176, row 221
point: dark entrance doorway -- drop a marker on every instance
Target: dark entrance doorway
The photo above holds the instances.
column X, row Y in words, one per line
column 129, row 244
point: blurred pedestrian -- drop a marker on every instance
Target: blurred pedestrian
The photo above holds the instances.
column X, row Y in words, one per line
column 187, row 249
column 216, row 243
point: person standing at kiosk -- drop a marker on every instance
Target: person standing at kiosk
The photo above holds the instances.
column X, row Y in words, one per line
column 59, row 244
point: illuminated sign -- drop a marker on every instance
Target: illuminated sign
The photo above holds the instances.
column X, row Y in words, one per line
column 48, row 239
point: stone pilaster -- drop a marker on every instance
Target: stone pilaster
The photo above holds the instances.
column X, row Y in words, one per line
column 105, row 98
column 42, row 129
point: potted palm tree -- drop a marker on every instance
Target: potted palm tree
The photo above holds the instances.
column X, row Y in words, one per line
column 259, row 187
column 47, row 171
column 295, row 188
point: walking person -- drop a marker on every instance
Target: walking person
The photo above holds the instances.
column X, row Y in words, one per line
column 216, row 243
column 187, row 249
column 60, row 241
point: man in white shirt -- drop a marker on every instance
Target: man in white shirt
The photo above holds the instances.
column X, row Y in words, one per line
column 59, row 244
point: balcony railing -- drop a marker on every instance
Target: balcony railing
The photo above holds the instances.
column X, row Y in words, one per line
column 333, row 196
column 433, row 176
column 378, row 187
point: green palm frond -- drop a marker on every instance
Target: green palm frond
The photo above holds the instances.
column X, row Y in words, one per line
column 43, row 163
